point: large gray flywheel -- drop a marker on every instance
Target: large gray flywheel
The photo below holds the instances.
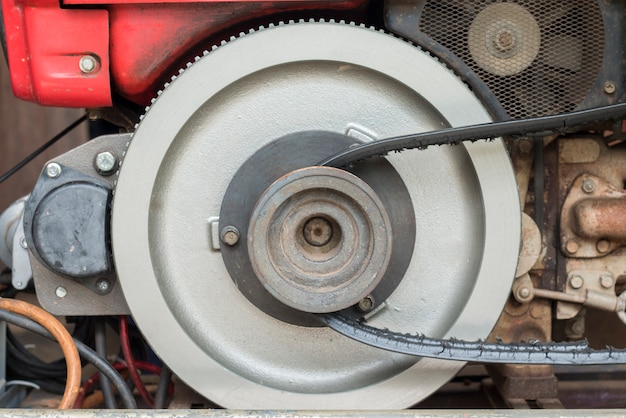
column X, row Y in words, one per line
column 433, row 235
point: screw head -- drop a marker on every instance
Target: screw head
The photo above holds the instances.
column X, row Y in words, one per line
column 576, row 282
column 53, row 170
column 88, row 64
column 229, row 235
column 103, row 286
column 23, row 243
column 526, row 146
column 366, row 304
column 606, row 280
column 61, row 292
column 609, row 87
column 588, row 185
column 105, row 163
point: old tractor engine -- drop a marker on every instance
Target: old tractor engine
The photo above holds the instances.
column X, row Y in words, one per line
column 330, row 204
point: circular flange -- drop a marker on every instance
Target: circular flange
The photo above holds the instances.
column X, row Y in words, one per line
column 184, row 154
column 292, row 152
column 334, row 234
column 504, row 39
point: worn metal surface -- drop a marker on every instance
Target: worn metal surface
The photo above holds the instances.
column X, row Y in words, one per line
column 61, row 295
column 591, row 218
column 291, row 152
column 317, row 270
column 191, row 142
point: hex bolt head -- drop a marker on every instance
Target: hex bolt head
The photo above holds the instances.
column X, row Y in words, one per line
column 578, row 327
column 366, row 304
column 571, row 246
column 103, row 286
column 88, row 64
column 588, row 185
column 606, row 281
column 229, row 235
column 53, row 170
column 576, row 282
column 105, row 163
column 61, row 292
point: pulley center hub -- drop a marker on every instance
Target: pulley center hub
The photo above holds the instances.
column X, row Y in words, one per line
column 318, row 231
column 319, row 239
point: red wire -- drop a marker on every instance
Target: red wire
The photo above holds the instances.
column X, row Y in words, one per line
column 141, row 365
column 130, row 362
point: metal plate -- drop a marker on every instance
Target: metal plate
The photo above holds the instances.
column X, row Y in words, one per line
column 291, row 78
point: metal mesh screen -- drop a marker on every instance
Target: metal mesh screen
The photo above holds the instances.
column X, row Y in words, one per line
column 538, row 57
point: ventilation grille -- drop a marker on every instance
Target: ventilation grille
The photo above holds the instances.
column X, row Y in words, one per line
column 538, row 57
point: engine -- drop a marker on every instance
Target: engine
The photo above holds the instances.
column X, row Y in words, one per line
column 323, row 204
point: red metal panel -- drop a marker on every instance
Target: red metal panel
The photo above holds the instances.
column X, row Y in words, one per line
column 150, row 43
column 45, row 45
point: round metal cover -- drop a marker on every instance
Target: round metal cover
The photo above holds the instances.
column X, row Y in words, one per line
column 291, row 78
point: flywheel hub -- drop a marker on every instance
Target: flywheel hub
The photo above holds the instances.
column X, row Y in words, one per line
column 334, row 239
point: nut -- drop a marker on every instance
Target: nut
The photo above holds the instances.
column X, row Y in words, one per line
column 366, row 304
column 229, row 235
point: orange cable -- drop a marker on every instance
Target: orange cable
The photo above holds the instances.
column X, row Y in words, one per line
column 63, row 337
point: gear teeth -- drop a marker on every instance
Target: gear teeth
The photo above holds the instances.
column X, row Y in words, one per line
column 205, row 53
column 321, row 20
column 153, row 100
column 331, row 21
column 222, row 43
column 232, row 38
column 271, row 25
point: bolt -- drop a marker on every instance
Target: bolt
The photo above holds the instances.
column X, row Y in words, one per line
column 606, row 280
column 588, row 185
column 524, row 293
column 106, row 163
column 578, row 327
column 366, row 304
column 229, row 235
column 88, row 64
column 19, row 285
column 526, row 146
column 103, row 286
column 23, row 243
column 576, row 282
column 61, row 292
column 603, row 246
column 609, row 87
column 571, row 246
column 53, row 170
column 318, row 232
